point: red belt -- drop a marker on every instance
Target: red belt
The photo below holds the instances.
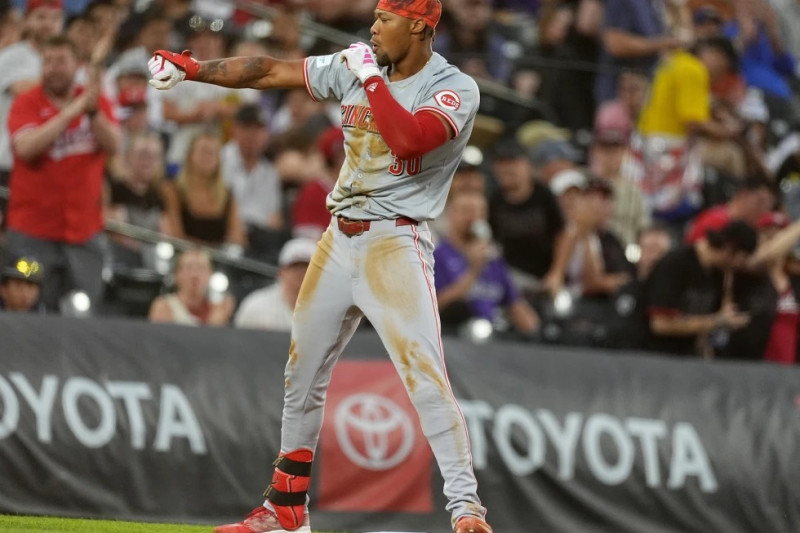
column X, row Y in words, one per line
column 357, row 227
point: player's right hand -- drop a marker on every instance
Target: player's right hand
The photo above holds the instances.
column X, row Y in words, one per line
column 169, row 68
column 361, row 61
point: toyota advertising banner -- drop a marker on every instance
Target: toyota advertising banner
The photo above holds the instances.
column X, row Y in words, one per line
column 131, row 420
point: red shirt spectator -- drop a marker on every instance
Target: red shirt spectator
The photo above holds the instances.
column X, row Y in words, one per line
column 309, row 211
column 755, row 198
column 65, row 182
column 310, row 216
column 714, row 218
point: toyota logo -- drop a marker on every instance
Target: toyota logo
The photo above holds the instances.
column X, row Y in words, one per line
column 373, row 432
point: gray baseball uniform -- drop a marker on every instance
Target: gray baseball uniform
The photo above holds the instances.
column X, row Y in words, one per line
column 385, row 273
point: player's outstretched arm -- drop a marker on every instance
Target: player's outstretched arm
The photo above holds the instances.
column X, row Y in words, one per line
column 257, row 72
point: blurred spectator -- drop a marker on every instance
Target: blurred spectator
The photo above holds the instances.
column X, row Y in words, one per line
column 626, row 320
column 194, row 107
column 62, row 134
column 685, row 298
column 135, row 197
column 754, row 198
column 551, row 157
column 631, row 95
column 589, row 260
column 634, row 35
column 199, row 206
column 347, row 15
column 21, row 65
column 788, row 15
column 467, row 40
column 569, row 37
column 707, row 22
column 310, row 216
column 765, row 62
column 131, row 87
column 755, row 118
column 471, row 279
column 252, row 179
column 10, row 24
column 271, row 308
column 606, row 158
column 654, row 243
column 149, row 32
column 81, row 30
column 524, row 216
column 103, row 13
column 20, row 285
column 189, row 304
column 285, row 40
column 679, row 106
column 777, row 237
column 298, row 113
column 468, row 177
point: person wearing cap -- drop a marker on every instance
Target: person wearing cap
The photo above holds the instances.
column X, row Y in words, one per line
column 250, row 176
column 271, row 308
column 753, row 198
column 407, row 115
column 524, row 215
column 589, row 259
column 20, row 285
column 551, row 156
column 685, row 297
column 63, row 134
column 189, row 303
column 607, row 156
column 21, row 66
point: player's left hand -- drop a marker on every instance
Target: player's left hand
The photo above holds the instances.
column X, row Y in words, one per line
column 361, row 61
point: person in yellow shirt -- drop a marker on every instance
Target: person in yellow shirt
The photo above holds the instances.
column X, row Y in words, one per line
column 678, row 108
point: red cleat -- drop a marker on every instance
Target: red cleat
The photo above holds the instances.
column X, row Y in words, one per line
column 472, row 524
column 262, row 520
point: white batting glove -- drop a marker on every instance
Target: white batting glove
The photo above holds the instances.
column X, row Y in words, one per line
column 361, row 61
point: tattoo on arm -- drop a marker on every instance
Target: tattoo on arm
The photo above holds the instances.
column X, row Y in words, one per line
column 236, row 72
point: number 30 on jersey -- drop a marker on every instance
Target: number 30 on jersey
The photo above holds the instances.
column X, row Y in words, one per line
column 411, row 167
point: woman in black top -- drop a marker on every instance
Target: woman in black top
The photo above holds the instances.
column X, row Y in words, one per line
column 199, row 205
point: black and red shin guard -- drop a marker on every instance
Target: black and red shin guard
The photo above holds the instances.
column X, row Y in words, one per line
column 287, row 492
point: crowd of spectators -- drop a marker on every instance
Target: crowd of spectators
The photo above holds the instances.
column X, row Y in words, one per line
column 641, row 189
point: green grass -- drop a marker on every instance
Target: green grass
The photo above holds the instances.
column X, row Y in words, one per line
column 39, row 524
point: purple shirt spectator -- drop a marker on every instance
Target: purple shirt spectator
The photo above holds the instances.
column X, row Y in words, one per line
column 644, row 18
column 492, row 292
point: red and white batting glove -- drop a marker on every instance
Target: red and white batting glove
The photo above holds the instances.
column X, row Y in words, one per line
column 361, row 62
column 169, row 68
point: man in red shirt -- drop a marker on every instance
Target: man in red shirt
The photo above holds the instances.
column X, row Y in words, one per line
column 61, row 135
column 755, row 197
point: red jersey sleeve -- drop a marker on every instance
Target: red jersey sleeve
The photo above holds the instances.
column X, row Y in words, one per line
column 25, row 113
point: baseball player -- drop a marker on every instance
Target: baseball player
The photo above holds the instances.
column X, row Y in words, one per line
column 407, row 115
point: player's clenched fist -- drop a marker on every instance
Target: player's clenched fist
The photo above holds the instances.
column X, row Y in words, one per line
column 361, row 61
column 169, row 68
